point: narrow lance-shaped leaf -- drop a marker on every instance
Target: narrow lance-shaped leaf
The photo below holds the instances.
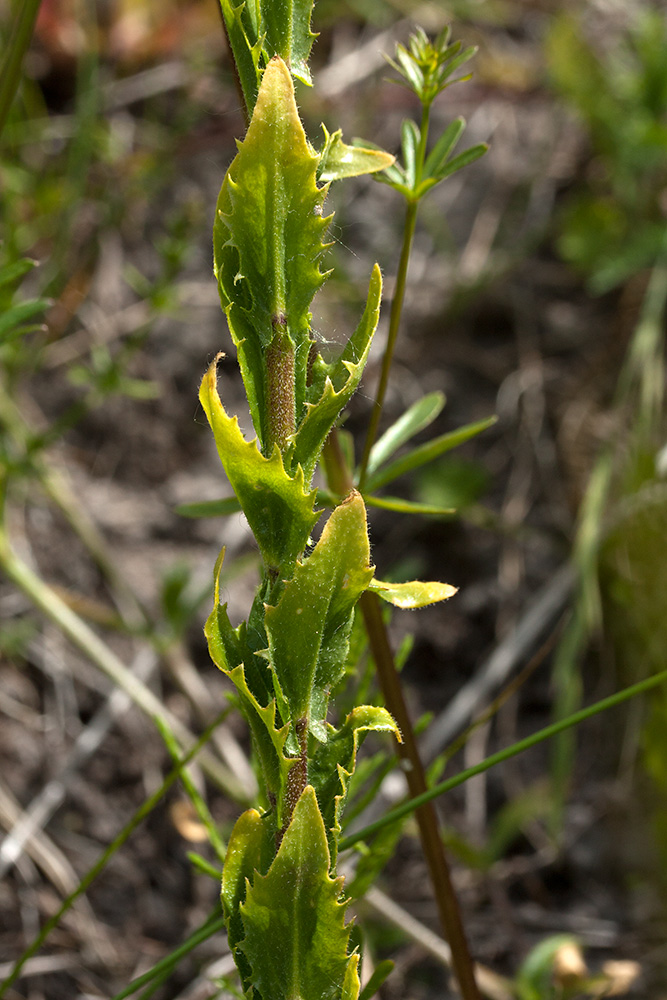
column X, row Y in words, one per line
column 421, row 414
column 410, row 138
column 464, row 159
column 444, row 146
column 278, row 507
column 308, row 630
column 426, row 453
column 296, row 939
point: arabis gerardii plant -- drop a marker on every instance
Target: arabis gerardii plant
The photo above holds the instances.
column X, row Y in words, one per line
column 281, row 896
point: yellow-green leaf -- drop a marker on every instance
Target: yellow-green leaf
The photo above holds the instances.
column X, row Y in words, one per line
column 296, row 939
column 279, row 507
column 415, row 594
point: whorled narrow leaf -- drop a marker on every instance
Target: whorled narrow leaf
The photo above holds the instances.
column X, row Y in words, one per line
column 308, row 629
column 426, row 453
column 286, row 28
column 296, row 939
column 418, row 416
column 413, row 594
column 443, row 147
column 209, row 508
column 279, row 507
column 333, row 763
column 339, row 160
column 337, row 383
column 268, row 242
column 464, row 159
column 401, row 506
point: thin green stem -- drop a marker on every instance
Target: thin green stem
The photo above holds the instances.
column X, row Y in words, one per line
column 642, row 687
column 144, row 809
column 394, row 324
column 210, row 927
column 16, row 45
column 397, row 302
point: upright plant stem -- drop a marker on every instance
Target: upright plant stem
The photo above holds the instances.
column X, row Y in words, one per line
column 397, row 301
column 427, row 820
column 448, row 908
column 394, row 324
column 434, row 853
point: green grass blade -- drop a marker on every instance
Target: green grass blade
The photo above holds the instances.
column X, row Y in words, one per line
column 209, row 508
column 502, row 755
column 215, row 923
column 401, row 506
column 144, row 809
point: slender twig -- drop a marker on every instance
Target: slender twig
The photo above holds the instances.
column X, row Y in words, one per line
column 394, row 324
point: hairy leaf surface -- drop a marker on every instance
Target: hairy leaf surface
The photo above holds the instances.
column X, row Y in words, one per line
column 308, row 630
column 333, row 763
column 278, row 507
column 267, row 239
column 295, row 935
column 286, row 24
column 247, row 852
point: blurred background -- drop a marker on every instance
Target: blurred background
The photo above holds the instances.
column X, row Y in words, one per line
column 537, row 292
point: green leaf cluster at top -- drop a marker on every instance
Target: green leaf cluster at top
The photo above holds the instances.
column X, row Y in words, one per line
column 426, row 67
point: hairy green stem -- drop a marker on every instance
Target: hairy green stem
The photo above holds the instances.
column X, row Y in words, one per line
column 612, row 701
column 280, row 376
column 16, row 45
